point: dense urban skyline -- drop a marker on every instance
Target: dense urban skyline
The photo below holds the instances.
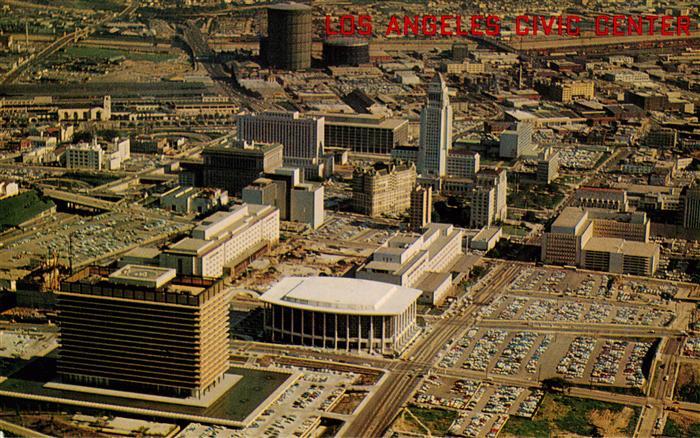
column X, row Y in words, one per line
column 349, row 218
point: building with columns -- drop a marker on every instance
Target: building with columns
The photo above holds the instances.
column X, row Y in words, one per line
column 341, row 313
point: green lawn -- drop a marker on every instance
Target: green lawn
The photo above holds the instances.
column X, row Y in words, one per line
column 677, row 427
column 515, row 231
column 536, row 196
column 21, row 208
column 520, row 426
column 105, row 53
column 561, row 414
column 437, row 420
column 108, row 5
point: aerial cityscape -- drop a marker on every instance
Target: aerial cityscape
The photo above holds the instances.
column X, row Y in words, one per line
column 349, row 218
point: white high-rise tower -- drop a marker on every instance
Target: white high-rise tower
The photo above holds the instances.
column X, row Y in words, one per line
column 435, row 130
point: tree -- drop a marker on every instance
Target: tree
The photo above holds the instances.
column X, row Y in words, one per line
column 530, row 216
column 555, row 384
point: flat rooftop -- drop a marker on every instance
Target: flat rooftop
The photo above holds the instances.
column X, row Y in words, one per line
column 621, row 246
column 569, row 218
column 143, row 284
column 341, row 295
column 487, row 233
column 362, row 120
column 237, row 407
column 145, row 252
column 290, row 6
column 243, row 148
column 139, row 275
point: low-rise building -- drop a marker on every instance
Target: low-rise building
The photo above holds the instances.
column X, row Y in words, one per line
column 570, row 90
column 600, row 197
column 468, row 67
column 423, row 261
column 486, row 239
column 8, row 188
column 96, row 156
column 224, row 241
column 341, row 313
column 602, row 240
column 186, row 200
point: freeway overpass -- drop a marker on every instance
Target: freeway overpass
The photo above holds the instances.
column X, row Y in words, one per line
column 60, row 43
column 82, row 201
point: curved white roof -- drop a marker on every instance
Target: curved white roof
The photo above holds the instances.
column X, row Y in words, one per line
column 341, row 295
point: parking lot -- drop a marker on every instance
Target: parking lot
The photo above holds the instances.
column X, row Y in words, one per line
column 484, row 407
column 692, row 347
column 524, row 308
column 563, row 282
column 531, row 356
column 582, row 284
column 24, row 344
column 299, row 409
column 579, row 159
column 609, row 362
column 355, row 228
column 87, row 238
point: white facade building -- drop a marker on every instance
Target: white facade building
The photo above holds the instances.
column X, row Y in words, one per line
column 435, row 131
column 307, row 204
column 421, row 261
column 224, row 240
column 186, row 199
column 95, row 156
column 514, row 143
column 489, row 198
column 8, row 189
column 302, row 137
column 341, row 313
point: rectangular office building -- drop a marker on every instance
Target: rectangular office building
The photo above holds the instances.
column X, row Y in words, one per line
column 143, row 329
column 365, row 133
